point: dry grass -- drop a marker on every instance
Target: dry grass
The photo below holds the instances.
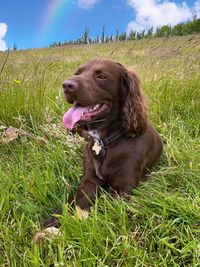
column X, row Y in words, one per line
column 40, row 163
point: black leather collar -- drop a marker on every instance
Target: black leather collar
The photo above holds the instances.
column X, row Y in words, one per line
column 99, row 148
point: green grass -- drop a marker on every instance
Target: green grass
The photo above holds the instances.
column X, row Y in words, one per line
column 159, row 226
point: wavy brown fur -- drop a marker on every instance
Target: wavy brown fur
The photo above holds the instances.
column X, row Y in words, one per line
column 134, row 110
column 130, row 157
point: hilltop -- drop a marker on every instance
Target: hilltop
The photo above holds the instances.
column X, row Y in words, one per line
column 40, row 163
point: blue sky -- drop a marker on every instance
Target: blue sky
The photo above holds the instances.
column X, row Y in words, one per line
column 38, row 23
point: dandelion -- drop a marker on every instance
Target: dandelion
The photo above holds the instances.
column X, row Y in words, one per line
column 16, row 81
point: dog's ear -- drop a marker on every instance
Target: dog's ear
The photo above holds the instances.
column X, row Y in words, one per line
column 134, row 110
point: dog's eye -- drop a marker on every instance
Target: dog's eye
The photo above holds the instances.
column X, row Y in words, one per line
column 77, row 73
column 101, row 76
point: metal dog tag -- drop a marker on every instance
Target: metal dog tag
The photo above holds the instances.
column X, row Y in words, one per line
column 98, row 150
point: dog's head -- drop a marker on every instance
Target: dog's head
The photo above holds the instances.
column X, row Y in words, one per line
column 105, row 91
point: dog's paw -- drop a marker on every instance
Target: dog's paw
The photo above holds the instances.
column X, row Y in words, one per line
column 82, row 214
column 47, row 233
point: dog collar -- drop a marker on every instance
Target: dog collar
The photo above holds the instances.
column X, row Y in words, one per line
column 99, row 148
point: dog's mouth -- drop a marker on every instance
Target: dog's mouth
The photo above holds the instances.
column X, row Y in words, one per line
column 78, row 114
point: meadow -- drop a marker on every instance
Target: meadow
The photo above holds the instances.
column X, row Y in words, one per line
column 40, row 163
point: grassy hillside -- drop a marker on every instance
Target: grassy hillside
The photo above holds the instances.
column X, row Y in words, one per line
column 40, row 163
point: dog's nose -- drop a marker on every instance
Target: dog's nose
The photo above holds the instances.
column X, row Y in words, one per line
column 70, row 85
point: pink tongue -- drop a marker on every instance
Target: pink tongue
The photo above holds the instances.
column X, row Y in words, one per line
column 72, row 116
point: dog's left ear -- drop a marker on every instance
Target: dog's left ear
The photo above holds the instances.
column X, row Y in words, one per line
column 134, row 110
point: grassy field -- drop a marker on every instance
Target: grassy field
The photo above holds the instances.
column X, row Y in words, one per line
column 40, row 163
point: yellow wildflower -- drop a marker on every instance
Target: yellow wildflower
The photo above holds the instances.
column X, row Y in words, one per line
column 16, row 81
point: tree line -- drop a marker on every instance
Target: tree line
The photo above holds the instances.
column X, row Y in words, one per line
column 190, row 27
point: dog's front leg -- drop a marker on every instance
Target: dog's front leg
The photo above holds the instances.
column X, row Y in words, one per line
column 89, row 187
column 87, row 192
column 81, row 201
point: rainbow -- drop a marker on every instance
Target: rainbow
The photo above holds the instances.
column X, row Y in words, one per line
column 52, row 11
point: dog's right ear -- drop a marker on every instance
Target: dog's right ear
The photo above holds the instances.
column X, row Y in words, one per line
column 134, row 110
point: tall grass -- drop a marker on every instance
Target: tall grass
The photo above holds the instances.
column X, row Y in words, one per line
column 160, row 224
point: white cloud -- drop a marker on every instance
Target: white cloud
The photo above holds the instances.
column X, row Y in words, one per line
column 196, row 9
column 86, row 4
column 3, row 30
column 157, row 13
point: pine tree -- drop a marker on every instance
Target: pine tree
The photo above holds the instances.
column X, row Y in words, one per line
column 122, row 36
column 132, row 35
column 117, row 36
column 14, row 47
column 107, row 38
column 86, row 36
column 103, row 35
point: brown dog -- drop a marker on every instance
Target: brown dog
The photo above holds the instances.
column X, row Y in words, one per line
column 109, row 106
